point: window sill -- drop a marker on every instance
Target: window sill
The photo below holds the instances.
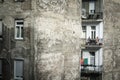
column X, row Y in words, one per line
column 21, row 39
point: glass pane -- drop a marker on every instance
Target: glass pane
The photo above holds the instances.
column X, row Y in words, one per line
column 17, row 31
column 22, row 32
column 19, row 69
column 93, row 27
column 92, row 60
column 92, row 34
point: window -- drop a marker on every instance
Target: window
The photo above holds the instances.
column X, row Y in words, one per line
column 1, row 29
column 19, row 0
column 0, row 69
column 18, row 69
column 84, row 31
column 19, row 29
column 93, row 32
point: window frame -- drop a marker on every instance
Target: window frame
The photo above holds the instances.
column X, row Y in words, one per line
column 21, row 31
column 15, row 77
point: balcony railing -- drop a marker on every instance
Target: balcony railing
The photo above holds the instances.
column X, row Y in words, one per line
column 91, row 68
column 96, row 15
column 92, row 43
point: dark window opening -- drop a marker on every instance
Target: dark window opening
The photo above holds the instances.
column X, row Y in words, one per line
column 19, row 0
column 1, row 1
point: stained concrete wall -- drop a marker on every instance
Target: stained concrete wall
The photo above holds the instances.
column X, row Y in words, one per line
column 13, row 49
column 111, row 55
column 57, row 32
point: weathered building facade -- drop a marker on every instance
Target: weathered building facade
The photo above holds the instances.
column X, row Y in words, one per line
column 43, row 39
column 92, row 40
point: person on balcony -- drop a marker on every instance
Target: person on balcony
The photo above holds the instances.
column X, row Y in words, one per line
column 97, row 40
column 88, row 41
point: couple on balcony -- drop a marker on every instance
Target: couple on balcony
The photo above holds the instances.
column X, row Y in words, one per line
column 95, row 41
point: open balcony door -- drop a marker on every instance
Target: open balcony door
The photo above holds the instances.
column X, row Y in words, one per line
column 91, row 7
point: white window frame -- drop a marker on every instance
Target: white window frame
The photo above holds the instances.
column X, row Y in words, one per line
column 15, row 77
column 20, row 28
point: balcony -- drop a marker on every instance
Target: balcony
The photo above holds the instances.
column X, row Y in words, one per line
column 91, row 69
column 91, row 44
column 96, row 15
column 92, row 9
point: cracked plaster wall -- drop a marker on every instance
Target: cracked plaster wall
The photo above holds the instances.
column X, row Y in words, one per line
column 57, row 39
column 111, row 55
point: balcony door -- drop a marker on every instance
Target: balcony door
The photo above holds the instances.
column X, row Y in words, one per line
column 93, row 32
column 92, row 60
column 91, row 7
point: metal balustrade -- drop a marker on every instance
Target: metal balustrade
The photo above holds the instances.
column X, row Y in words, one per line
column 91, row 69
column 96, row 15
column 91, row 44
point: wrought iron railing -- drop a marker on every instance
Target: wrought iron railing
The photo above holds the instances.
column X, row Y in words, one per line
column 91, row 41
column 95, row 15
column 91, row 68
